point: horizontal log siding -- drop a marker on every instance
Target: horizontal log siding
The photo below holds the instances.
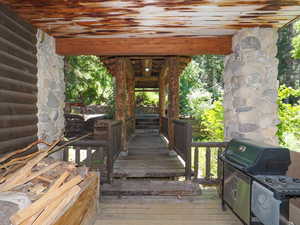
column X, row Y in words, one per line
column 18, row 82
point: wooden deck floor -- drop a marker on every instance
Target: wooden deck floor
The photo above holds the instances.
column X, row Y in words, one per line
column 148, row 156
column 204, row 209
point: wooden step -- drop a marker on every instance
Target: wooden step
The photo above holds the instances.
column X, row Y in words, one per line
column 147, row 126
column 151, row 187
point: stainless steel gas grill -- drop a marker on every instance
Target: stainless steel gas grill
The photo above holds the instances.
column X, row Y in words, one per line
column 254, row 184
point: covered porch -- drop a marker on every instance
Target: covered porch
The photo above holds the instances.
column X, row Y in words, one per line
column 145, row 45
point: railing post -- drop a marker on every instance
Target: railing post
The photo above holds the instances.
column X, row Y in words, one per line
column 89, row 157
column 196, row 163
column 207, row 163
column 77, row 155
column 109, row 153
column 188, row 163
column 219, row 175
column 66, row 154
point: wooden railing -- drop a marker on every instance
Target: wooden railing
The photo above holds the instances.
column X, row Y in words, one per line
column 164, row 127
column 182, row 144
column 201, row 158
column 99, row 152
column 114, row 146
column 208, row 153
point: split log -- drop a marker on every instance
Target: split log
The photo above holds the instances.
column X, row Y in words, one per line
column 30, row 220
column 40, row 204
column 45, row 179
column 85, row 207
column 58, row 207
column 59, row 181
column 36, row 174
column 35, row 218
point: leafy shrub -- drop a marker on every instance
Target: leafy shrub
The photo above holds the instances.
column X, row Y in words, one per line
column 289, row 114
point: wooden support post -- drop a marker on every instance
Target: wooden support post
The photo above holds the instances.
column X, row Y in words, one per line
column 117, row 66
column 162, row 96
column 131, row 91
column 173, row 98
column 175, row 67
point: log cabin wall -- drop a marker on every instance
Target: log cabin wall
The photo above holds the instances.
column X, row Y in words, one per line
column 18, row 82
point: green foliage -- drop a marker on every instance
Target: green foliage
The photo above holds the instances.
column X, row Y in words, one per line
column 145, row 99
column 296, row 41
column 213, row 120
column 87, row 81
column 204, row 75
column 289, row 114
column 211, row 73
column 288, row 51
column 189, row 82
column 209, row 124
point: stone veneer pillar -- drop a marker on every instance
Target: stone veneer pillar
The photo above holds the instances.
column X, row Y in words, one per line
column 250, row 86
column 51, row 88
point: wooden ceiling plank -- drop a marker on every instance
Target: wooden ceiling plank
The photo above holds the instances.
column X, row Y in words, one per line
column 221, row 45
column 127, row 19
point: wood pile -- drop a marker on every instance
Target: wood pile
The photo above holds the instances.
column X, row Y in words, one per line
column 51, row 186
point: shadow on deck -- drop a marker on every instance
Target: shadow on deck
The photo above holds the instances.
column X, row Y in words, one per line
column 203, row 209
column 148, row 157
column 157, row 197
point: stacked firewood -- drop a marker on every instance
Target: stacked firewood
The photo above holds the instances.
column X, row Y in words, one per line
column 50, row 185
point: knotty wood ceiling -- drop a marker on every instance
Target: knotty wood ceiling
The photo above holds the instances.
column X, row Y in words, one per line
column 152, row 18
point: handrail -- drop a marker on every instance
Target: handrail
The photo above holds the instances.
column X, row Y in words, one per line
column 211, row 152
column 182, row 144
column 114, row 146
column 109, row 144
column 208, row 152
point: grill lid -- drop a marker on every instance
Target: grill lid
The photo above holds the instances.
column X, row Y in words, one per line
column 256, row 157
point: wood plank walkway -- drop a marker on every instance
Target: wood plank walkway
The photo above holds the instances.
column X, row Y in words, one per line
column 166, row 210
column 148, row 156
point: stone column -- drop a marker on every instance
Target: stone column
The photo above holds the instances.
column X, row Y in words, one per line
column 250, row 80
column 51, row 88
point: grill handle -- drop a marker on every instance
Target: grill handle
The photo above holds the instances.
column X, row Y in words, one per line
column 223, row 158
column 234, row 194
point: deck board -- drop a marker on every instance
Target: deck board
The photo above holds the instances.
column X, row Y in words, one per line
column 148, row 156
column 151, row 187
column 166, row 210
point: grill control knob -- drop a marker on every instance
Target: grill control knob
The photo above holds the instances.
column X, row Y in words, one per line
column 242, row 148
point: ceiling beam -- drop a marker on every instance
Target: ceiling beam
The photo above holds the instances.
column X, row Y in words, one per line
column 145, row 79
column 220, row 45
column 146, row 90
